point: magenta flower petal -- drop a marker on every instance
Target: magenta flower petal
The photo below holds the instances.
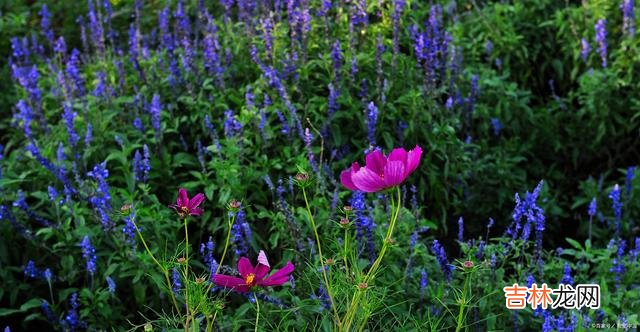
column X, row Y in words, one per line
column 263, row 266
column 230, row 282
column 394, row 173
column 345, row 176
column 379, row 173
column 413, row 160
column 274, row 281
column 279, row 277
column 245, row 267
column 196, row 201
column 399, row 154
column 367, row 180
column 345, row 179
column 375, row 161
column 196, row 211
column 183, row 198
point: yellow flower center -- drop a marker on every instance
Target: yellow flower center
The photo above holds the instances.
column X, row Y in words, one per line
column 249, row 279
column 185, row 209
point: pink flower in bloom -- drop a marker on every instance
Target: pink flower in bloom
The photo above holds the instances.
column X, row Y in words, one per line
column 381, row 172
column 254, row 276
column 188, row 207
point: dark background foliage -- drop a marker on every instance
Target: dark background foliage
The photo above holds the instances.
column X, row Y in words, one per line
column 564, row 120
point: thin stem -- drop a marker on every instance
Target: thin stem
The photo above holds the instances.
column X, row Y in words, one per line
column 462, row 303
column 346, row 242
column 387, row 240
column 165, row 271
column 207, row 329
column 186, row 272
column 226, row 246
column 590, row 221
column 324, row 272
column 50, row 292
column 257, row 310
column 350, row 315
column 210, row 327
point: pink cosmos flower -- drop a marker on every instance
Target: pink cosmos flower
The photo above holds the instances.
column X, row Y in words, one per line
column 188, row 207
column 381, row 172
column 254, row 276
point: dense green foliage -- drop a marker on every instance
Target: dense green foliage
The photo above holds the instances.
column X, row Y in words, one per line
column 499, row 95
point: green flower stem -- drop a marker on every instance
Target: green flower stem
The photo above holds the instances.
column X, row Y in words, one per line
column 345, row 253
column 387, row 239
column 50, row 292
column 230, row 223
column 324, row 272
column 590, row 222
column 463, row 302
column 211, row 321
column 226, row 244
column 186, row 273
column 350, row 315
column 257, row 311
column 165, row 271
column 224, row 252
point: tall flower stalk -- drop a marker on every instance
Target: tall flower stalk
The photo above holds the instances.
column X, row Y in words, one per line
column 303, row 181
column 164, row 270
column 349, row 317
column 233, row 208
column 380, row 173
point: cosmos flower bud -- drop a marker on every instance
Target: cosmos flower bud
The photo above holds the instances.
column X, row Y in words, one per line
column 234, row 205
column 125, row 209
column 302, row 180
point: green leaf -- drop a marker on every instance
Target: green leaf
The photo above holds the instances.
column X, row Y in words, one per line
column 574, row 243
column 33, row 303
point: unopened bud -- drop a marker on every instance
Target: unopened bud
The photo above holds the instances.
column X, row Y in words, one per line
column 234, row 205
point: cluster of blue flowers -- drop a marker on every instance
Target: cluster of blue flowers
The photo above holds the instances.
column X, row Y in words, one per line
column 206, row 250
column 322, row 297
column 141, row 166
column 72, row 320
column 614, row 195
column 601, row 40
column 241, row 233
column 101, row 198
column 529, row 211
column 447, row 269
column 365, row 225
column 89, row 254
column 176, row 280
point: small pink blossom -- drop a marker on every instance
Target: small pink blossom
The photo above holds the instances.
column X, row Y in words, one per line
column 251, row 276
column 188, row 207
